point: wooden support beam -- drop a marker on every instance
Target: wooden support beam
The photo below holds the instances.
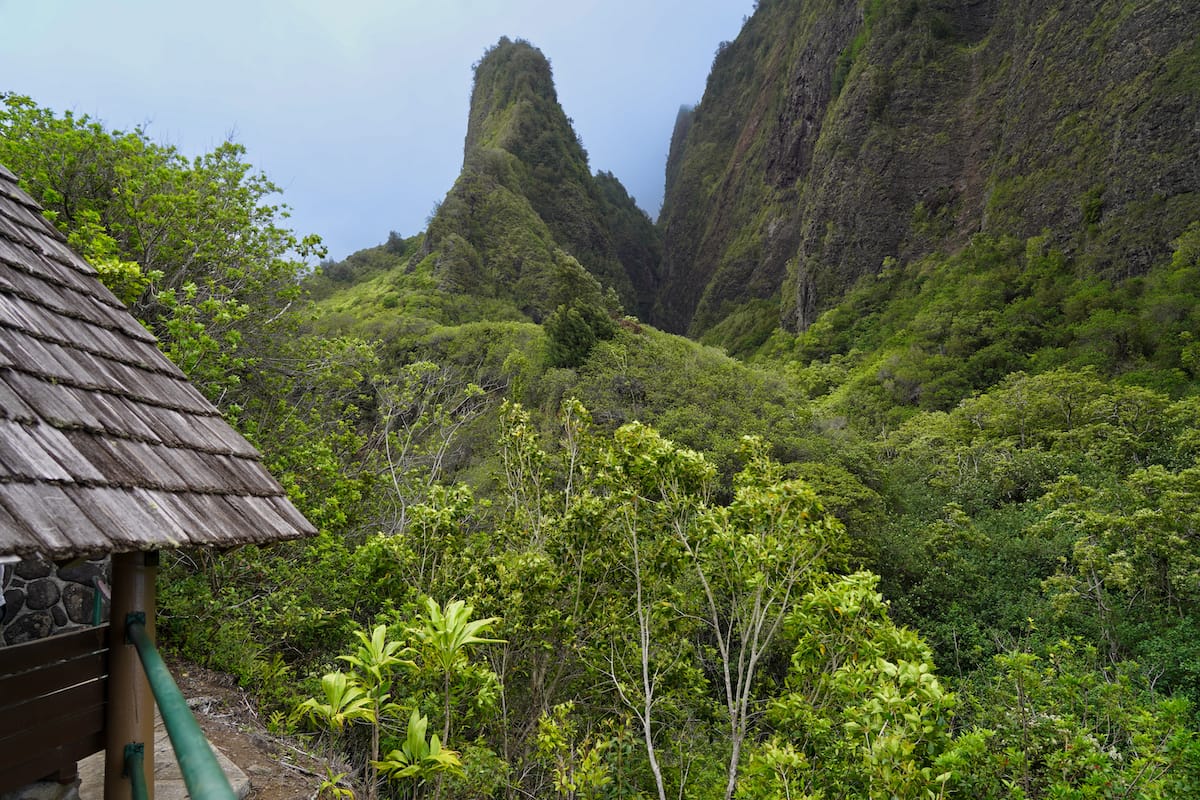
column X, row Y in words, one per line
column 130, row 702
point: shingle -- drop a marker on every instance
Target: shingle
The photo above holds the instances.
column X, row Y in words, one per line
column 15, row 537
column 185, row 512
column 289, row 514
column 124, row 417
column 110, row 462
column 71, row 298
column 166, row 390
column 60, row 405
column 117, row 378
column 128, row 519
column 68, row 258
column 135, row 383
column 116, row 317
column 72, row 366
column 250, row 477
column 65, row 303
column 15, row 313
column 69, row 275
column 262, row 520
column 170, row 532
column 11, row 405
column 41, row 358
column 107, row 415
column 217, row 431
column 59, row 251
column 11, row 253
column 37, row 264
column 59, row 447
column 36, row 289
column 228, row 528
column 148, row 354
column 23, row 455
column 151, row 469
column 21, row 213
column 196, row 473
column 47, row 325
column 103, row 342
column 47, row 402
column 164, row 424
column 16, row 233
column 47, row 511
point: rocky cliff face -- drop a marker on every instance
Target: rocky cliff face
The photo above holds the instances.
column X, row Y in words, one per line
column 526, row 219
column 833, row 135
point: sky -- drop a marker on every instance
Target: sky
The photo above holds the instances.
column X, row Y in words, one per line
column 357, row 109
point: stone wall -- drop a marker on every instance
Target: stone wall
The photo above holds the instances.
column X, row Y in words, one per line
column 42, row 598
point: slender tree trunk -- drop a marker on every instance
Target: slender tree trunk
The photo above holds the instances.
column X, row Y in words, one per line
column 647, row 683
column 372, row 770
column 734, row 757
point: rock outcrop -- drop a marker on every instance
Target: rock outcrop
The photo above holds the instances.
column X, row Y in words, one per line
column 527, row 220
column 833, row 135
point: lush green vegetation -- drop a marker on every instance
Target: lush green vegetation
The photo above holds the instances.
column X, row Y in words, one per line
column 941, row 544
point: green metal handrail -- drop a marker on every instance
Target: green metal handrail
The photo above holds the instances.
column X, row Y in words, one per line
column 100, row 593
column 135, row 768
column 203, row 776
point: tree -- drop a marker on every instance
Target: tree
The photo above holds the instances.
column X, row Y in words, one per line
column 648, row 487
column 1132, row 555
column 365, row 695
column 577, row 760
column 753, row 559
column 374, row 660
column 445, row 633
column 1064, row 722
column 418, row 759
column 863, row 714
column 574, row 329
column 206, row 261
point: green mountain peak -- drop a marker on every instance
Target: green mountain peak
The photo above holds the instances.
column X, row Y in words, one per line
column 526, row 221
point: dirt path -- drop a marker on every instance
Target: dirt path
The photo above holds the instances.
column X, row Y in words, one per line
column 279, row 768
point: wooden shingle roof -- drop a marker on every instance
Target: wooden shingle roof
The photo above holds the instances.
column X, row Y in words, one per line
column 104, row 445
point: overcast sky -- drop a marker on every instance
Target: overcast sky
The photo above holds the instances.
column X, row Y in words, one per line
column 358, row 109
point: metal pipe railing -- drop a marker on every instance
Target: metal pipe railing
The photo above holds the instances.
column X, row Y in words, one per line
column 203, row 776
column 135, row 768
column 100, row 593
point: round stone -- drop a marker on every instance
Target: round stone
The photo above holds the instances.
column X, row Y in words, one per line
column 14, row 601
column 77, row 600
column 41, row 593
column 33, row 569
column 35, row 625
column 85, row 573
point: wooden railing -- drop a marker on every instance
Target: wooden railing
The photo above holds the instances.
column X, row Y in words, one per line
column 52, row 703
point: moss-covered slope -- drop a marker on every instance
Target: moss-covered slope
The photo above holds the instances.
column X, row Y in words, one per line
column 833, row 135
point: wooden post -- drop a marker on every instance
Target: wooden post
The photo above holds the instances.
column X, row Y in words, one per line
column 130, row 702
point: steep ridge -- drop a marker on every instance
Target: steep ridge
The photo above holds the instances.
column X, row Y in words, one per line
column 526, row 220
column 834, row 135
